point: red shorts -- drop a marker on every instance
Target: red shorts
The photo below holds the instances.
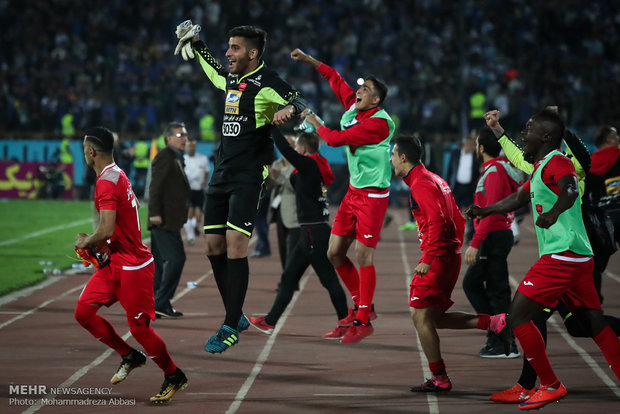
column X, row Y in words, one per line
column 132, row 286
column 434, row 288
column 361, row 214
column 565, row 276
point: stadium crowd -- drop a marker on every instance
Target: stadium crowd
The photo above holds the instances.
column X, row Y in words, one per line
column 112, row 63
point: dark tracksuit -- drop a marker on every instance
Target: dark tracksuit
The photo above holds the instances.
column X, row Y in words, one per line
column 311, row 248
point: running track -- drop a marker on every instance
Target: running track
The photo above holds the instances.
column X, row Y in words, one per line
column 293, row 370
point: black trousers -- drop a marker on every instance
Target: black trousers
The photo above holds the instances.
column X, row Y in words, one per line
column 486, row 281
column 169, row 254
column 287, row 238
column 311, row 249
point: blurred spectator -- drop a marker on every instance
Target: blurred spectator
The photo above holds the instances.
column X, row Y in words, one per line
column 107, row 68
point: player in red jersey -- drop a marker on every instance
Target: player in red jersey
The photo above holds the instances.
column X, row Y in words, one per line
column 365, row 133
column 128, row 278
column 441, row 227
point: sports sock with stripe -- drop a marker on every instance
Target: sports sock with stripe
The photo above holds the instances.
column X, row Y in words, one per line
column 368, row 283
column 351, row 279
column 154, row 346
column 533, row 347
column 610, row 345
column 100, row 328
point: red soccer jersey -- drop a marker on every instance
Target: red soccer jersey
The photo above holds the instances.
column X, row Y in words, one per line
column 440, row 223
column 494, row 184
column 557, row 167
column 113, row 192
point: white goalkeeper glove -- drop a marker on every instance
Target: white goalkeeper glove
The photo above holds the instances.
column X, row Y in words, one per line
column 185, row 32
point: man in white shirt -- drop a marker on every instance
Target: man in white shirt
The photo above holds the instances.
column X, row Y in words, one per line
column 197, row 171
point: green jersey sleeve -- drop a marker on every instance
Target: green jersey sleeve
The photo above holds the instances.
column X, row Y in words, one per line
column 515, row 154
column 215, row 72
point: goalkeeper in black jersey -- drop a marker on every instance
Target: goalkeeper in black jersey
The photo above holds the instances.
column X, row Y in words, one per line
column 254, row 95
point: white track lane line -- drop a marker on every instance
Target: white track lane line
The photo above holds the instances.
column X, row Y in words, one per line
column 45, row 231
column 41, row 306
column 612, row 276
column 587, row 358
column 22, row 293
column 84, row 370
column 262, row 357
column 431, row 398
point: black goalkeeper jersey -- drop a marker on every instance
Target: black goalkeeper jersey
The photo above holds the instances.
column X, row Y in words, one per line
column 251, row 101
column 310, row 190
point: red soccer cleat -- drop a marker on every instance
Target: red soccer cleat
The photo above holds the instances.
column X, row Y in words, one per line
column 337, row 333
column 435, row 384
column 260, row 324
column 356, row 333
column 515, row 395
column 542, row 397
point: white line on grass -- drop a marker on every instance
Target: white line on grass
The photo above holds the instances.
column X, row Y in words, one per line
column 45, row 231
column 260, row 361
column 433, row 406
column 84, row 370
column 590, row 362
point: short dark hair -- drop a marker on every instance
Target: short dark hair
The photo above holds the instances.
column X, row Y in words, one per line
column 487, row 138
column 310, row 141
column 411, row 146
column 601, row 135
column 101, row 138
column 255, row 38
column 169, row 130
column 379, row 88
column 553, row 123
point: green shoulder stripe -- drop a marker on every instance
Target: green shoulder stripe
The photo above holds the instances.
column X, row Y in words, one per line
column 266, row 105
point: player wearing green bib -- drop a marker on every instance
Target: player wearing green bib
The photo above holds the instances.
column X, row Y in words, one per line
column 564, row 270
column 365, row 132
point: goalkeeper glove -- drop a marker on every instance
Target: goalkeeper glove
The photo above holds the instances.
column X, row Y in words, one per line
column 185, row 32
column 90, row 256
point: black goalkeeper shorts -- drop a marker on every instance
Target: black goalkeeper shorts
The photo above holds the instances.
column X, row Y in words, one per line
column 231, row 206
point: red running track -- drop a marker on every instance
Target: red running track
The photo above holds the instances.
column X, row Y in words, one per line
column 293, row 370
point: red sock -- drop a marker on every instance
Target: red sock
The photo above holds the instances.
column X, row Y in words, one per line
column 368, row 282
column 610, row 345
column 154, row 346
column 437, row 367
column 100, row 328
column 351, row 279
column 483, row 322
column 534, row 349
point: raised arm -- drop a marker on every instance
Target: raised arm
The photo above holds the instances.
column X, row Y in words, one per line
column 513, row 152
column 344, row 92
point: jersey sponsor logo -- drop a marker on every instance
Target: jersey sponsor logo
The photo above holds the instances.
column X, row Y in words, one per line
column 414, row 298
column 231, row 129
column 138, row 317
column 232, row 102
column 527, row 283
column 255, row 81
column 242, row 86
column 367, row 236
column 247, row 223
column 539, row 208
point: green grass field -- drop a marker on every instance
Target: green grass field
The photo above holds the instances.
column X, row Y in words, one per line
column 33, row 231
